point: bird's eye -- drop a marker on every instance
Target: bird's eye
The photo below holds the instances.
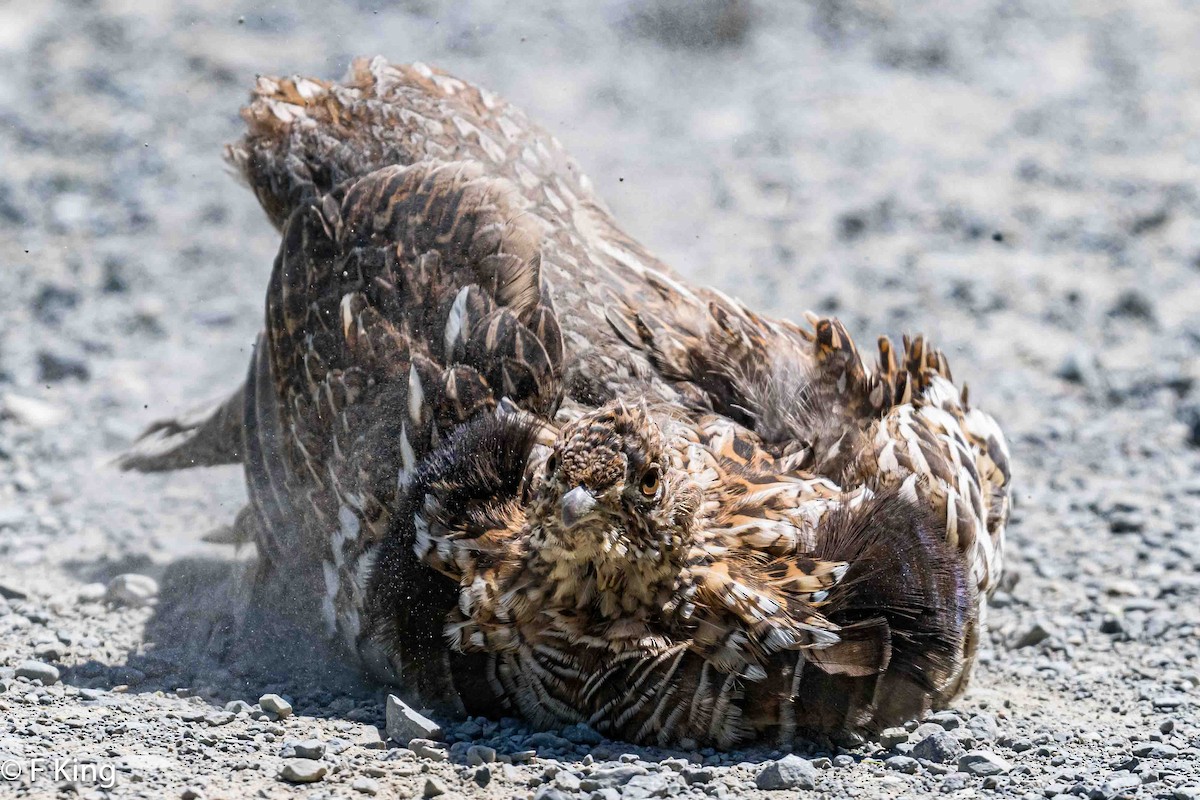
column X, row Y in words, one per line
column 650, row 481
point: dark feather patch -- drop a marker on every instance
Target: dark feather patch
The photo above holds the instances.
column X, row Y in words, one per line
column 905, row 584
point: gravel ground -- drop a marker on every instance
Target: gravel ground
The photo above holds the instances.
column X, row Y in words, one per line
column 1014, row 177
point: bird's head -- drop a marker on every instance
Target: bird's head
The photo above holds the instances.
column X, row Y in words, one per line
column 609, row 491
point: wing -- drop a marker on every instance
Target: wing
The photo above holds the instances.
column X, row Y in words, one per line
column 400, row 307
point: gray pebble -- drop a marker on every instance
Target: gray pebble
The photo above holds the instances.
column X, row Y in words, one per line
column 480, row 754
column 789, row 772
column 1155, row 750
column 566, row 781
column 955, row 781
column 426, row 748
column 219, row 718
column 906, row 764
column 611, row 777
column 890, row 737
column 238, row 706
column 940, row 748
column 644, row 787
column 365, row 785
column 483, row 776
column 983, row 763
column 984, row 727
column 434, row 787
column 38, row 671
column 947, row 719
column 302, row 770
column 404, row 723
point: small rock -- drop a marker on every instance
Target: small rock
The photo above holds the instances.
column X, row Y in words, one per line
column 982, row 763
column 700, row 775
column 191, row 793
column 890, row 737
column 906, row 764
column 940, row 748
column 219, row 718
column 1121, row 785
column 238, row 706
column 1169, row 702
column 313, row 749
column 51, row 651
column 38, row 671
column 404, row 723
column 1112, row 624
column 434, row 787
column 480, row 754
column 955, row 781
column 483, row 776
column 55, row 366
column 1037, row 633
column 548, row 792
column 984, row 727
column 648, row 786
column 789, row 772
column 425, row 748
column 274, row 704
column 947, row 719
column 1155, row 750
column 132, row 590
column 365, row 785
column 612, row 777
column 303, row 770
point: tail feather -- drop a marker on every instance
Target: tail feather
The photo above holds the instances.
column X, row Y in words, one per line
column 208, row 436
column 905, row 601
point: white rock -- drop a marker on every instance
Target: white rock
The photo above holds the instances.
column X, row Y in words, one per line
column 274, row 704
column 365, row 785
column 302, row 770
column 404, row 723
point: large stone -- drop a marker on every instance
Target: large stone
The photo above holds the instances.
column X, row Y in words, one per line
column 789, row 772
column 405, row 723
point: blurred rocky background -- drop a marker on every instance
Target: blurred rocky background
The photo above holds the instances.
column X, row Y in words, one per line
column 1016, row 178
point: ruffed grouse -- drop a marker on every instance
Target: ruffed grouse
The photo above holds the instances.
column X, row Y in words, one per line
column 479, row 411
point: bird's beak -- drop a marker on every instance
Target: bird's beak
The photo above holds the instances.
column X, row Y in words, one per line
column 576, row 504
